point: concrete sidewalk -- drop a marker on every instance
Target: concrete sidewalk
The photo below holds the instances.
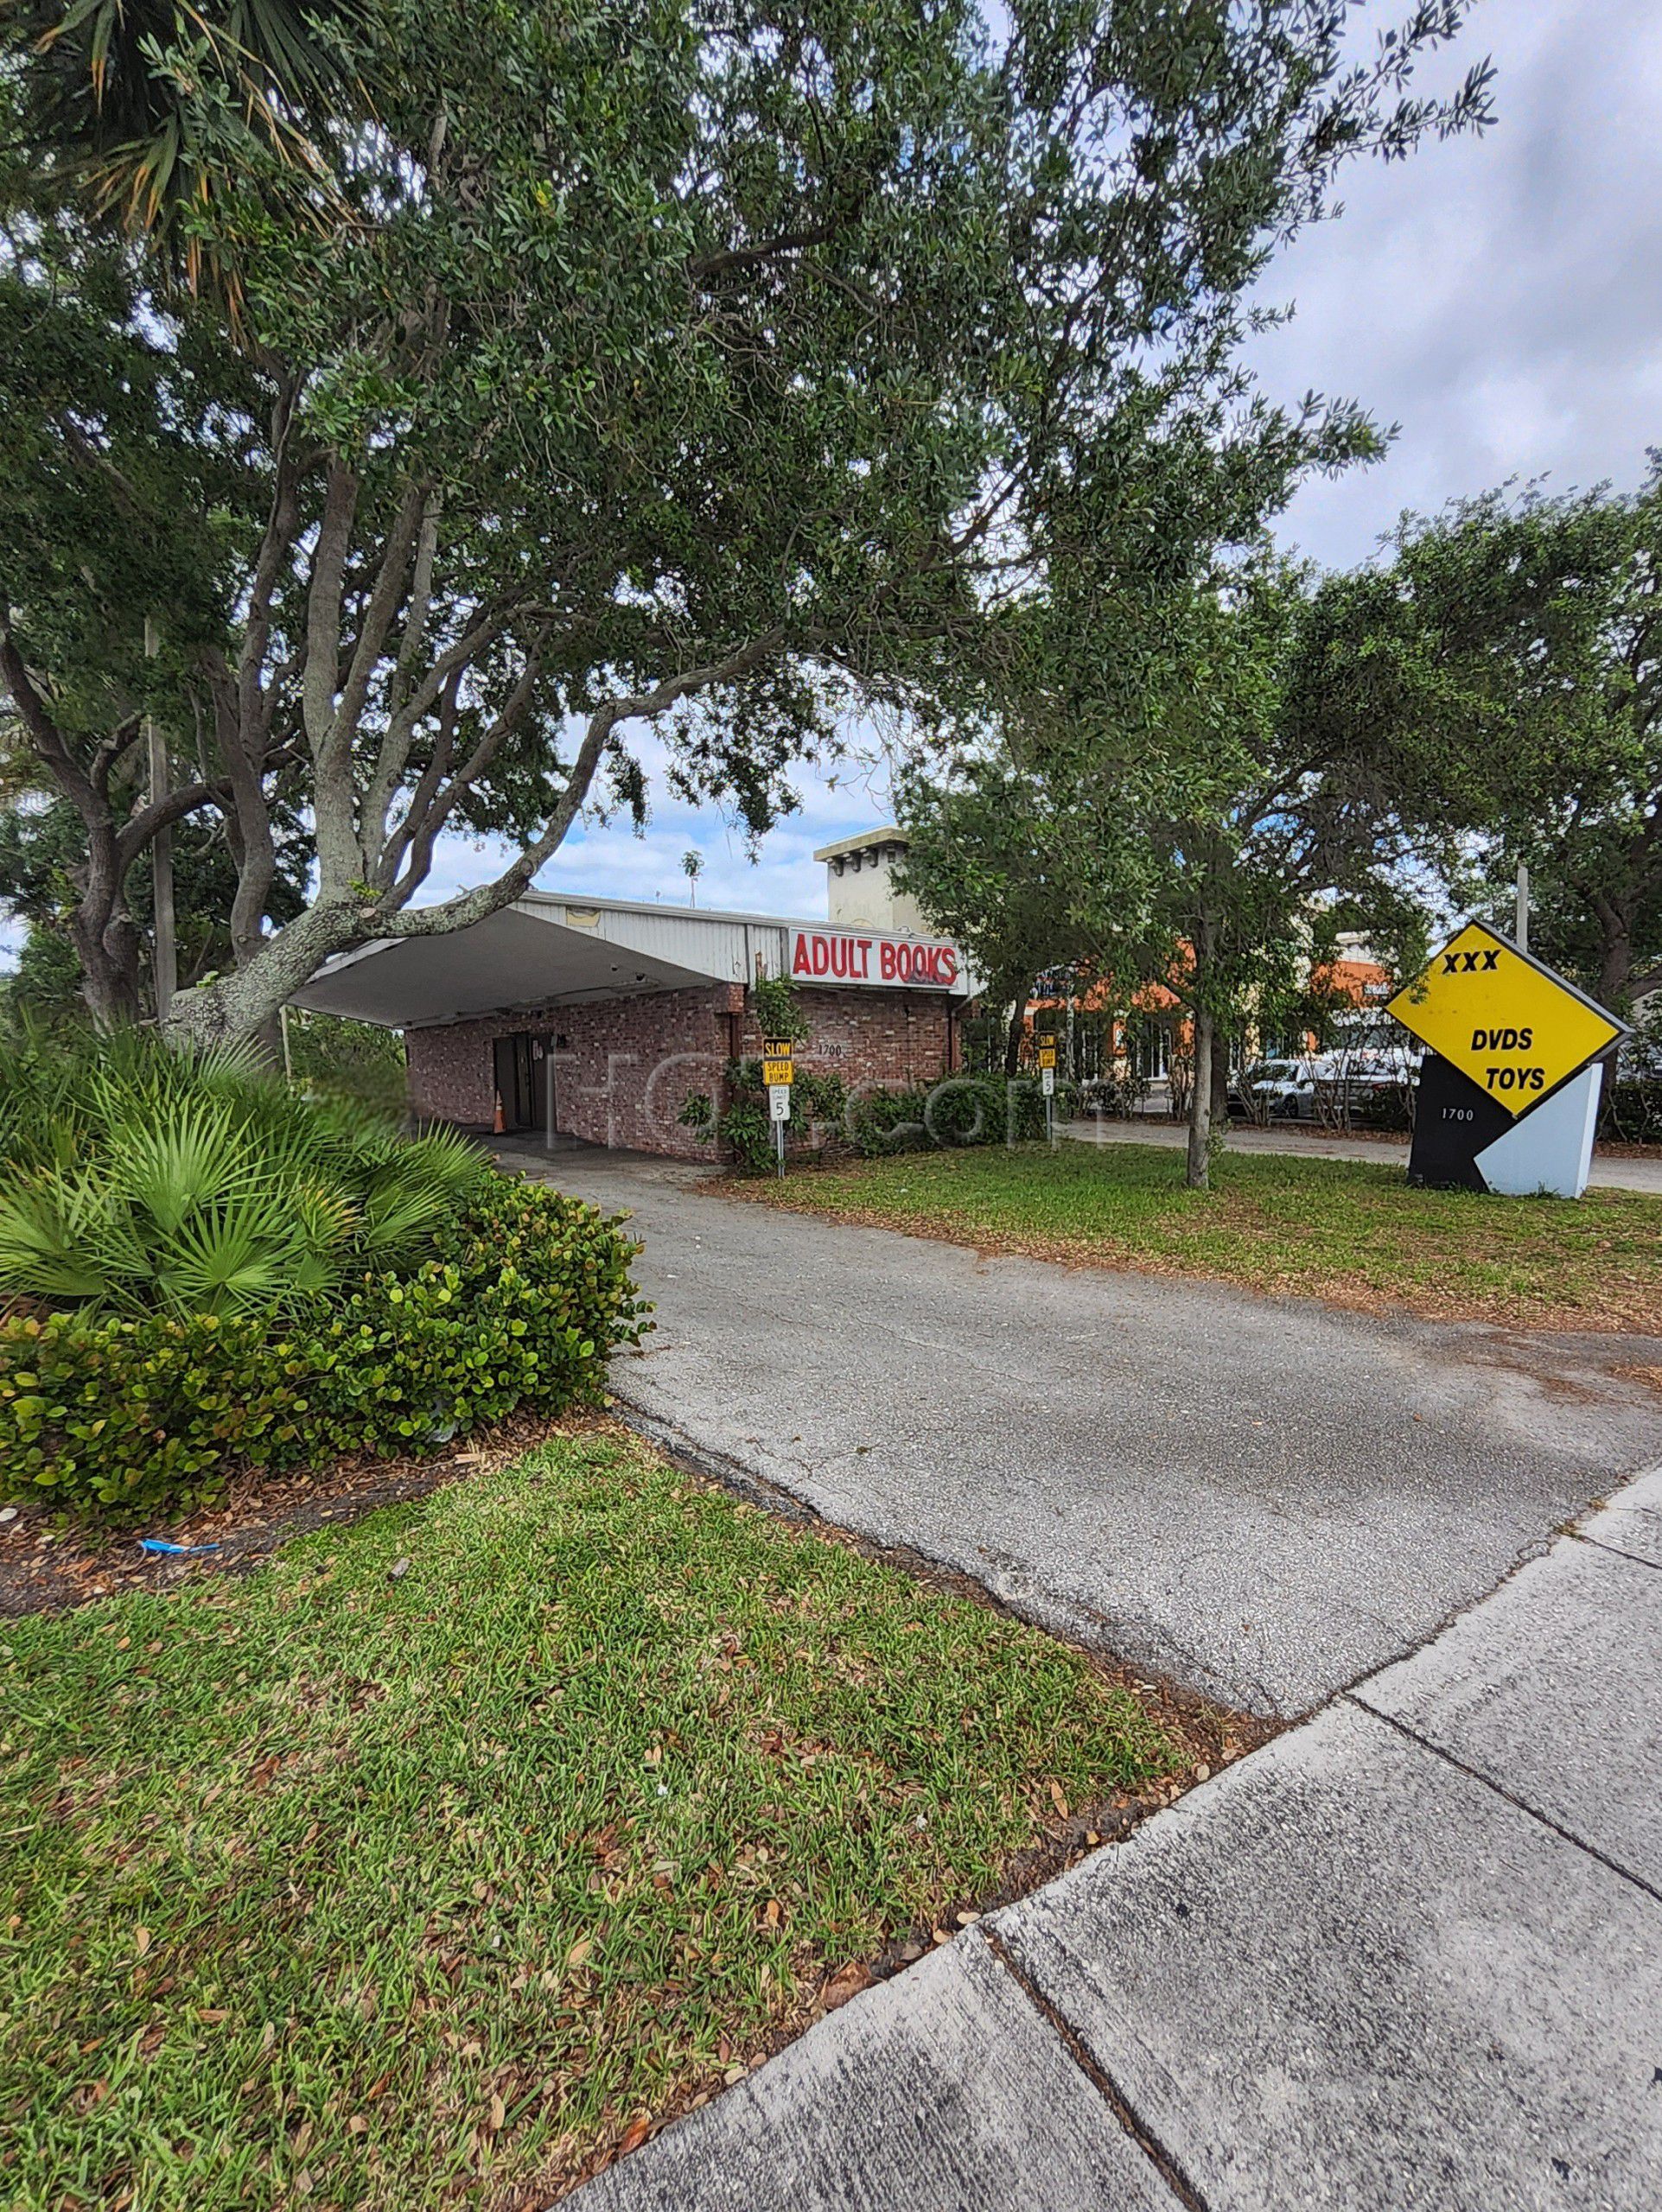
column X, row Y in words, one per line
column 1309, row 1143
column 1408, row 1958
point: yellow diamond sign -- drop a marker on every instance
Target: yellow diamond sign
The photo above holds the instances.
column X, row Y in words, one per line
column 1505, row 1020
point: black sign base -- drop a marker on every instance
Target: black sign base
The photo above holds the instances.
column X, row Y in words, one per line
column 1454, row 1120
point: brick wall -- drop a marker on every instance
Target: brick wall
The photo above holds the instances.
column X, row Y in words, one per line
column 871, row 1038
column 622, row 1066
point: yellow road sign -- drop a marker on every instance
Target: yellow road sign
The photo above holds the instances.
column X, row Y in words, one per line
column 774, row 1072
column 1505, row 1020
column 1046, row 1056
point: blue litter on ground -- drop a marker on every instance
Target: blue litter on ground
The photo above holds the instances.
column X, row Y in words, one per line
column 174, row 1551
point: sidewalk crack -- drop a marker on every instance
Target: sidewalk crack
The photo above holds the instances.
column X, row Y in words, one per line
column 1615, row 1551
column 1518, row 1804
column 1163, row 2161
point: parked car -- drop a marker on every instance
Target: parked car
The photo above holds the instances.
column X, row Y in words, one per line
column 1324, row 1087
column 1276, row 1091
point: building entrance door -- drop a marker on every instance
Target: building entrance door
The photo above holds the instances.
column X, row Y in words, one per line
column 516, row 1084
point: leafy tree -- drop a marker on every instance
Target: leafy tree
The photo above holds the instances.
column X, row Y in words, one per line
column 1194, row 832
column 712, row 369
column 983, row 863
column 43, row 861
column 1508, row 658
column 127, row 517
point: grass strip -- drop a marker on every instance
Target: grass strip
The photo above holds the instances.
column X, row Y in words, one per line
column 359, row 1884
column 1351, row 1232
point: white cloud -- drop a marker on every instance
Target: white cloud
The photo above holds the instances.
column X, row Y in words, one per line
column 1497, row 297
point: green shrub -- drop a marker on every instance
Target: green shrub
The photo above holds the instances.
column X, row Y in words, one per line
column 745, row 1126
column 139, row 1179
column 779, row 1009
column 961, row 1109
column 1631, row 1110
column 113, row 1415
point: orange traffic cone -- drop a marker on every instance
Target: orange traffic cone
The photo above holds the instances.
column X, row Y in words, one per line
column 499, row 1125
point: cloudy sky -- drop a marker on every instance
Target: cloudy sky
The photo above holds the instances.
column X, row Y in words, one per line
column 1498, row 299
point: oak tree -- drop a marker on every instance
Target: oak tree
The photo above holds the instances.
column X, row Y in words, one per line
column 714, row 367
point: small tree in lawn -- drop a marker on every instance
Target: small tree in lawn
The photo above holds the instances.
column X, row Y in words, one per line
column 1185, row 829
column 649, row 365
column 983, row 864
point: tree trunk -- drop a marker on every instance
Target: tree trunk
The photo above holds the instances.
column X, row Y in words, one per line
column 1199, row 1170
column 246, row 1004
column 106, row 945
column 1615, row 955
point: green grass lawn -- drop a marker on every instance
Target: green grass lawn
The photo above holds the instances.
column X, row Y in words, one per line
column 334, row 1888
column 1341, row 1230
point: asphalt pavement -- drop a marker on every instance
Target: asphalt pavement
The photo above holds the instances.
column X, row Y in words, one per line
column 1408, row 1956
column 1263, row 1498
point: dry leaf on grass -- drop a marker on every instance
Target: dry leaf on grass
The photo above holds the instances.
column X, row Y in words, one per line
column 848, row 1981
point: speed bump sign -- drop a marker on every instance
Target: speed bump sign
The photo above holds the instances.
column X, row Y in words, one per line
column 1508, row 1093
column 778, row 1062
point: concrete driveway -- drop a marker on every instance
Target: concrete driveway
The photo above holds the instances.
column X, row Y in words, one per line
column 1264, row 1498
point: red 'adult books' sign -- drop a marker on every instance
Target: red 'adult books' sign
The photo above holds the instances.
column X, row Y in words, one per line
column 843, row 957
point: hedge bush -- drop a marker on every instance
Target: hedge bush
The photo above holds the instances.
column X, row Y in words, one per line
column 962, row 1109
column 959, row 1109
column 527, row 1293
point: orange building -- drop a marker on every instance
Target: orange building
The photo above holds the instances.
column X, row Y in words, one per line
column 1139, row 1041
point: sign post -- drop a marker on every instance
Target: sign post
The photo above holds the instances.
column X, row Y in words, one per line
column 1508, row 1094
column 1048, row 1084
column 777, row 1071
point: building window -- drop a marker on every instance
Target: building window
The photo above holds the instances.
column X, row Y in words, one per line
column 1148, row 1043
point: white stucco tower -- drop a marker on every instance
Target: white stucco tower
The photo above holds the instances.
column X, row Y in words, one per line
column 860, row 883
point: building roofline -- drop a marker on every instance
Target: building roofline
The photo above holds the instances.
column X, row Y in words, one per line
column 889, row 834
column 582, row 899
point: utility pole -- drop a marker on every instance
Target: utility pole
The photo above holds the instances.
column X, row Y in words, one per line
column 1520, row 928
column 165, row 947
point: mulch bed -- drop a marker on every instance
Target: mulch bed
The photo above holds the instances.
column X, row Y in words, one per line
column 48, row 1564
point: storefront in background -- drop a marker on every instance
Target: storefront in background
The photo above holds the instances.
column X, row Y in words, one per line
column 594, row 1019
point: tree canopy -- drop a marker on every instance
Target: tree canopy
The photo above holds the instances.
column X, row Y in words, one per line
column 650, row 364
column 1195, row 831
column 1506, row 659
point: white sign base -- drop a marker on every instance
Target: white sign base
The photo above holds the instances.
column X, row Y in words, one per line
column 1550, row 1148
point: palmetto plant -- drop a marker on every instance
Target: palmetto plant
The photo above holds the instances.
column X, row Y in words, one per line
column 133, row 1178
column 165, row 112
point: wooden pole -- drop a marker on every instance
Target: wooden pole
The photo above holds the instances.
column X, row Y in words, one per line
column 164, row 948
